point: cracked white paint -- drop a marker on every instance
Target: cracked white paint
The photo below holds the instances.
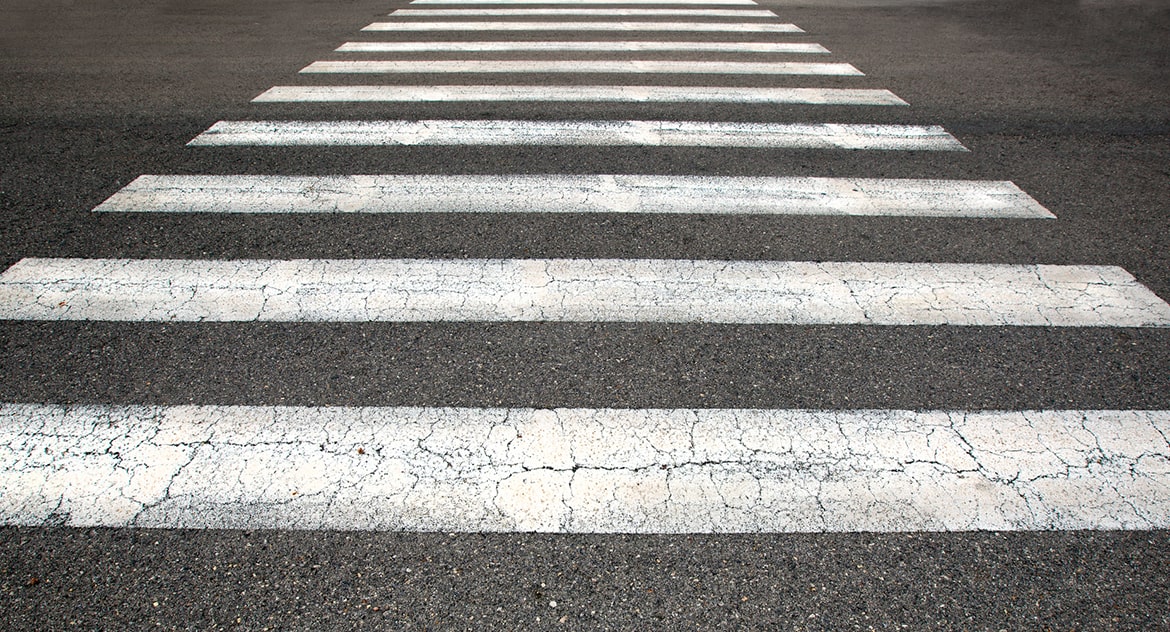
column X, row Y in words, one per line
column 642, row 13
column 609, row 94
column 572, row 194
column 582, row 66
column 563, row 471
column 567, row 133
column 587, row 2
column 683, row 2
column 578, row 290
column 638, row 27
column 604, row 46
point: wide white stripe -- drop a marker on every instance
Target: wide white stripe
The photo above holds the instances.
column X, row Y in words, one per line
column 621, row 94
column 578, row 290
column 606, row 46
column 584, row 66
column 720, row 27
column 606, row 133
column 707, row 13
column 589, row 2
column 583, row 470
column 572, row 194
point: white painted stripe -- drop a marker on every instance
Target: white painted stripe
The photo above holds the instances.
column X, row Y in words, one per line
column 561, row 470
column 591, row 2
column 572, row 194
column 606, row 46
column 605, row 133
column 583, row 66
column 613, row 94
column 578, row 290
column 644, row 13
column 718, row 27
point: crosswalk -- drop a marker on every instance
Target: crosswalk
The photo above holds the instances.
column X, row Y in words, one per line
column 579, row 66
column 636, row 27
column 673, row 471
column 573, row 133
column 578, row 290
column 559, row 193
column 612, row 94
column 618, row 46
column 580, row 469
column 705, row 13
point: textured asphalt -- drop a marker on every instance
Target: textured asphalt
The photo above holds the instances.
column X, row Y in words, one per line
column 1069, row 99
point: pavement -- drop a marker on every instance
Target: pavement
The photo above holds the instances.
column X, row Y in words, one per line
column 1069, row 100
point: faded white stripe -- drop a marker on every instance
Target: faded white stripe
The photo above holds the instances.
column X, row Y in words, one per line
column 578, row 290
column 707, row 13
column 590, row 2
column 605, row 133
column 584, row 66
column 607, row 46
column 572, row 194
column 620, row 94
column 717, row 27
column 561, row 470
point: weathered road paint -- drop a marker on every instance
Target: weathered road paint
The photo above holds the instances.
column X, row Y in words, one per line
column 568, row 133
column 589, row 2
column 606, row 94
column 645, row 13
column 561, row 46
column 582, row 66
column 572, row 194
column 448, row 469
column 578, row 290
column 640, row 27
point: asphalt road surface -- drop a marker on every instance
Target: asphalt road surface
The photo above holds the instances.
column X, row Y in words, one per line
column 1069, row 100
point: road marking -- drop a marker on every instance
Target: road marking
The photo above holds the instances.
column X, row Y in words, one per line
column 642, row 27
column 590, row 2
column 605, row 46
column 572, row 194
column 566, row 133
column 698, row 13
column 583, row 66
column 621, row 94
column 561, row 470
column 578, row 290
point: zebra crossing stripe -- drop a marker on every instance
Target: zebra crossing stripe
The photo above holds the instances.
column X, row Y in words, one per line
column 611, row 94
column 560, row 470
column 583, row 66
column 641, row 27
column 602, row 46
column 578, row 290
column 698, row 13
column 591, row 2
column 571, row 194
column 566, row 133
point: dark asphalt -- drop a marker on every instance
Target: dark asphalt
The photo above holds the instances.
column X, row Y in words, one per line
column 1069, row 99
column 126, row 579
